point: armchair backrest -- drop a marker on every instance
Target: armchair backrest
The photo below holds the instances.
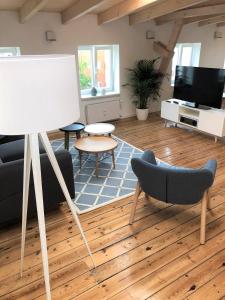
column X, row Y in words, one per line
column 178, row 185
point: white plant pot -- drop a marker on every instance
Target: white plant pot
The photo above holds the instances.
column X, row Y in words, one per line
column 142, row 114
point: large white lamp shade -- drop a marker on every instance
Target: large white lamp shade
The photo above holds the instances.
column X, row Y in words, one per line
column 37, row 93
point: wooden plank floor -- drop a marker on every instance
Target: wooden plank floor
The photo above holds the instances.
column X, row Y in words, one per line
column 158, row 257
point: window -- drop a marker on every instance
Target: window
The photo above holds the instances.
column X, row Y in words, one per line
column 186, row 54
column 99, row 68
column 9, row 51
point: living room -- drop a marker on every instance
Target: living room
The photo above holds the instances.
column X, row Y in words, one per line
column 133, row 209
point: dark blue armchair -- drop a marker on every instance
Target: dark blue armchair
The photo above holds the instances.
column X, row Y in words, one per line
column 173, row 185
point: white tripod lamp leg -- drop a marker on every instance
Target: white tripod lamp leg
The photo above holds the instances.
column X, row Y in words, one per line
column 26, row 181
column 36, row 167
column 62, row 183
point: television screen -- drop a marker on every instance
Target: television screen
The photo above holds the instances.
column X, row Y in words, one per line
column 201, row 86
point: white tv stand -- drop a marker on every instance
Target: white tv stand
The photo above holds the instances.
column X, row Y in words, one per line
column 210, row 121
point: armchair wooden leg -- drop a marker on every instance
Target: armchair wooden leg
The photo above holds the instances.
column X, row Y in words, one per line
column 203, row 219
column 208, row 199
column 137, row 193
column 147, row 197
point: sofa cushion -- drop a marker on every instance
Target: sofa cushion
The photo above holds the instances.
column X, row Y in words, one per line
column 10, row 138
column 14, row 150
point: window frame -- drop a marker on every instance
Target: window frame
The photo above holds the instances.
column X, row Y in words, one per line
column 89, row 48
column 195, row 56
column 110, row 48
column 15, row 51
column 94, row 49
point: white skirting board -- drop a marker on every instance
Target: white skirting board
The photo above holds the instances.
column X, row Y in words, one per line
column 103, row 111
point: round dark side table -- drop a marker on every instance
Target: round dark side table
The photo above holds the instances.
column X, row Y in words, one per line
column 75, row 127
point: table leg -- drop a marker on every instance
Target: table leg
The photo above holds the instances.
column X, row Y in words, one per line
column 80, row 157
column 96, row 170
column 67, row 140
column 78, row 136
column 113, row 159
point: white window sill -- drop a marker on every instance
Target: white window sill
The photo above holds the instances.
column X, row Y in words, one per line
column 99, row 96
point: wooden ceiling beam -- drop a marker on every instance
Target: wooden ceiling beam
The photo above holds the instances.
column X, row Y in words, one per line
column 30, row 8
column 197, row 19
column 80, row 8
column 221, row 24
column 191, row 13
column 166, row 59
column 213, row 20
column 161, row 9
column 123, row 9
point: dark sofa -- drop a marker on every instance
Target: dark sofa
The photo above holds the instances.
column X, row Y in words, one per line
column 11, row 180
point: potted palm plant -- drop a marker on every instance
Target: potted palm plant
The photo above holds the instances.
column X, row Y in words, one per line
column 144, row 81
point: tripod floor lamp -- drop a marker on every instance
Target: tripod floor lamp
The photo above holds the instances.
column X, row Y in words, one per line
column 39, row 94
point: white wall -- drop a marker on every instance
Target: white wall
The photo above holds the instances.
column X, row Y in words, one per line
column 30, row 37
column 213, row 50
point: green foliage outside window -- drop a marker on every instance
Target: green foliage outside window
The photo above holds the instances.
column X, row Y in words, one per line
column 85, row 78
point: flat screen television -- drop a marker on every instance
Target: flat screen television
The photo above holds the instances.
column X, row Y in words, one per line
column 199, row 86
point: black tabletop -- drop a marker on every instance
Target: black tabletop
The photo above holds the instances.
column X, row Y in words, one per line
column 73, row 127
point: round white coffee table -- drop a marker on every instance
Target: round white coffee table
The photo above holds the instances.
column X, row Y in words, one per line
column 99, row 129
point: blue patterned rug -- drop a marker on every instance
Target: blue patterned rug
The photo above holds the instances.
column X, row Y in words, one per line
column 111, row 185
